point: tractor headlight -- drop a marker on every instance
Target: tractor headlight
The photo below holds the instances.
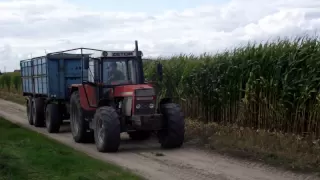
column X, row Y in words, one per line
column 151, row 106
column 138, row 106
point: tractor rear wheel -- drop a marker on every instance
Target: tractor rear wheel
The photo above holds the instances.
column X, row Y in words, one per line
column 140, row 135
column 172, row 136
column 79, row 126
column 53, row 118
column 38, row 112
column 29, row 110
column 107, row 129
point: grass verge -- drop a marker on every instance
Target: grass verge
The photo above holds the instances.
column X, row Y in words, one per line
column 287, row 151
column 27, row 155
column 17, row 98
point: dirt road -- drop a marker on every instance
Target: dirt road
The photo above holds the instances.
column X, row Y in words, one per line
column 148, row 160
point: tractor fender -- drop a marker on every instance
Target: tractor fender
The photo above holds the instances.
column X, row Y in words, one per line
column 163, row 101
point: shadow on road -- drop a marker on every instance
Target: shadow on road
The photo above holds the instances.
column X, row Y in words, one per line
column 127, row 144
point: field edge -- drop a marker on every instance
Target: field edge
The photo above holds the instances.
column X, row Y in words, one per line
column 242, row 143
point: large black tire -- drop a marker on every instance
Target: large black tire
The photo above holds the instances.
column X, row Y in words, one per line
column 53, row 118
column 38, row 112
column 29, row 110
column 140, row 135
column 172, row 136
column 107, row 129
column 79, row 126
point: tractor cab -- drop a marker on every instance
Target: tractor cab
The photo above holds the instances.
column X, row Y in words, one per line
column 116, row 68
column 116, row 77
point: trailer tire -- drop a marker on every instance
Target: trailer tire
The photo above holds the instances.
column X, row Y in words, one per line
column 29, row 110
column 79, row 125
column 107, row 129
column 38, row 112
column 172, row 136
column 53, row 118
column 140, row 135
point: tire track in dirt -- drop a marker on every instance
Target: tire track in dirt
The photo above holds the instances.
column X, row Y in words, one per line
column 147, row 159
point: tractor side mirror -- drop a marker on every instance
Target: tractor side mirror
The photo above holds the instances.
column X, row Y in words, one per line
column 159, row 71
column 86, row 63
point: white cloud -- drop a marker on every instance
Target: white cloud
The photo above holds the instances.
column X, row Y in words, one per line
column 33, row 26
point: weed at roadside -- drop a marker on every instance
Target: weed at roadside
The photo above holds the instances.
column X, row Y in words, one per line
column 283, row 150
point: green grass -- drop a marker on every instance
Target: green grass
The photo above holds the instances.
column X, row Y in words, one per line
column 27, row 155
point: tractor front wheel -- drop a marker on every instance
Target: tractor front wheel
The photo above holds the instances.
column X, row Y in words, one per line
column 172, row 136
column 107, row 129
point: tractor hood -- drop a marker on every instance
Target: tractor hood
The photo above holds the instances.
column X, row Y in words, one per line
column 134, row 90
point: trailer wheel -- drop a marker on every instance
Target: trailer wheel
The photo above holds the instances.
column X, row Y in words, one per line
column 107, row 129
column 38, row 112
column 140, row 135
column 172, row 136
column 53, row 118
column 79, row 125
column 29, row 110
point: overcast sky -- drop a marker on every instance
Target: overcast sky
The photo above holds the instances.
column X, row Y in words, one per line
column 162, row 27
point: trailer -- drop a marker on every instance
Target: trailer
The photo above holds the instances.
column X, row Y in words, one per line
column 45, row 81
column 103, row 95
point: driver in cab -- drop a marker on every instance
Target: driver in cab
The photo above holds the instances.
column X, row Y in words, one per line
column 114, row 74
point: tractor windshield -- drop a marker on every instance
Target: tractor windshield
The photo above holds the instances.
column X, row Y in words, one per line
column 119, row 71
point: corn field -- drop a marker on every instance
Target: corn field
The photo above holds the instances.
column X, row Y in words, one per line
column 10, row 82
column 272, row 86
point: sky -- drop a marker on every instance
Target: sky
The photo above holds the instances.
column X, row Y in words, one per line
column 30, row 28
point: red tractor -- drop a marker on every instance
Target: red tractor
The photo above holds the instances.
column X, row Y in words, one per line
column 115, row 98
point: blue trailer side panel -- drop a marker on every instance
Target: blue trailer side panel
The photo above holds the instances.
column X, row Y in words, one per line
column 62, row 73
column 34, row 76
column 26, row 75
column 51, row 77
column 40, row 75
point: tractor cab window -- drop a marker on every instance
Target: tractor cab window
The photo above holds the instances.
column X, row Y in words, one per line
column 118, row 72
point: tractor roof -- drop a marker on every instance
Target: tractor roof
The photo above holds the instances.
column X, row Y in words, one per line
column 66, row 56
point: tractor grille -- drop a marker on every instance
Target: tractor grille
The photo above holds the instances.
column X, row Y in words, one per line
column 144, row 107
column 144, row 97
